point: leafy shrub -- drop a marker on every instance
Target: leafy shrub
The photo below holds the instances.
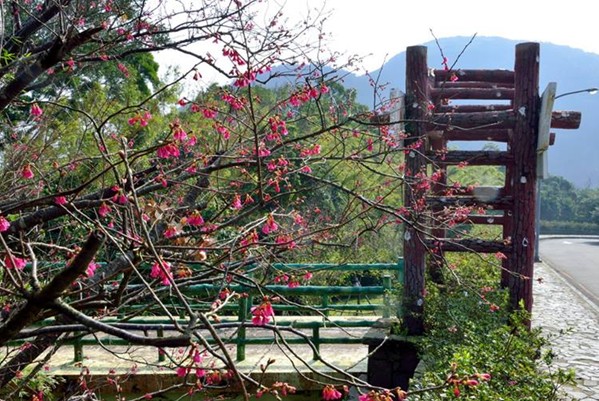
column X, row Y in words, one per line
column 471, row 333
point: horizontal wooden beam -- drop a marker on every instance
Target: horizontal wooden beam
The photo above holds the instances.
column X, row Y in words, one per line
column 498, row 76
column 485, row 219
column 499, row 203
column 496, row 135
column 471, row 93
column 472, row 157
column 473, row 84
column 566, row 119
column 468, row 245
column 470, row 108
column 486, row 119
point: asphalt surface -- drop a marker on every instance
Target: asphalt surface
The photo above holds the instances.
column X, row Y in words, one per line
column 575, row 259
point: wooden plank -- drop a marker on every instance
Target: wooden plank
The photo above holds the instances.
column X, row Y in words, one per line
column 473, row 84
column 547, row 100
column 495, row 135
column 472, row 93
column 469, row 245
column 566, row 119
column 471, row 108
column 498, row 203
column 397, row 115
column 487, row 119
column 472, row 157
column 485, row 219
column 497, row 76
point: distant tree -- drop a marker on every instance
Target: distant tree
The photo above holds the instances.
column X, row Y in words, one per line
column 558, row 199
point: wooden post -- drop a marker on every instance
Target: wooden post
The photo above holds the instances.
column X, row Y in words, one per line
column 417, row 100
column 526, row 109
column 435, row 261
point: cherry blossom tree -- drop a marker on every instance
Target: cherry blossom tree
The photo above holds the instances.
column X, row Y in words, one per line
column 122, row 189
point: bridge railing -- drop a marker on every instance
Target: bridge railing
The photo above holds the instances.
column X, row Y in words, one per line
column 324, row 314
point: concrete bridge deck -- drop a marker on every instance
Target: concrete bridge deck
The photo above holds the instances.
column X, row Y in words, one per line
column 139, row 370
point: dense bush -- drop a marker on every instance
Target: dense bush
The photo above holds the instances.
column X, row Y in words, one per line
column 471, row 334
column 569, row 228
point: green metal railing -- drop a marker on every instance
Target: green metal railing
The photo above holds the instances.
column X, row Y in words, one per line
column 321, row 312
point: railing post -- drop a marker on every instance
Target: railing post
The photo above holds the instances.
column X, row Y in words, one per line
column 78, row 350
column 316, row 342
column 160, row 334
column 387, row 286
column 241, row 332
column 400, row 271
column 325, row 305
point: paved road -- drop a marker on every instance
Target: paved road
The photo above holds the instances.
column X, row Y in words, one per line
column 577, row 260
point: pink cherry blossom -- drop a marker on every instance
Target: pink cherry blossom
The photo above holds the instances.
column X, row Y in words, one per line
column 262, row 313
column 179, row 134
column 4, row 224
column 330, row 393
column 162, row 271
column 27, row 173
column 15, row 262
column 36, row 111
column 209, row 113
column 91, row 269
column 236, row 202
column 167, row 151
column 270, row 225
column 104, row 210
column 60, row 200
column 171, row 231
column 195, row 219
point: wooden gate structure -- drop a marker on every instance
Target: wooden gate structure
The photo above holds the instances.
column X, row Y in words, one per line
column 431, row 122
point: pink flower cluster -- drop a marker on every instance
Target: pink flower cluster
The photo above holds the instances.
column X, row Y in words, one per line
column 307, row 93
column 262, row 313
column 141, row 119
column 196, row 365
column 36, row 111
column 330, row 393
column 270, row 225
column 27, row 173
column 291, row 280
column 162, row 271
column 195, row 219
column 91, row 269
column 14, row 262
column 233, row 101
column 312, row 151
column 4, row 224
column 278, row 127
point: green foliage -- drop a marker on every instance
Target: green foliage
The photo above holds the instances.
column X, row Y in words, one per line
column 562, row 201
column 35, row 385
column 569, row 228
column 470, row 333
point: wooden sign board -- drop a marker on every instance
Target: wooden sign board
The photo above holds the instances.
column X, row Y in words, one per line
column 547, row 101
column 543, row 135
column 397, row 114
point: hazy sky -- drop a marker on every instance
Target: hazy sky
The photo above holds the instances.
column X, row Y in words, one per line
column 381, row 27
